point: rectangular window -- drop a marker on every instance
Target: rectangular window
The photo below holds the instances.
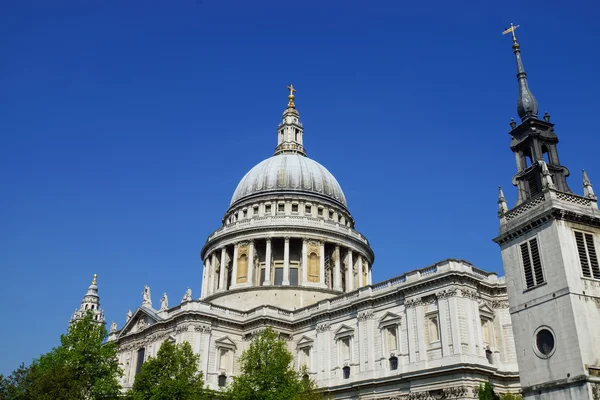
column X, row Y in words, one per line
column 532, row 263
column 278, row 276
column 345, row 350
column 140, row 360
column 587, row 255
column 293, row 276
column 304, row 357
column 255, row 211
column 262, row 276
column 330, row 214
column 434, row 329
column 486, row 330
column 320, row 212
column 295, row 208
column 267, row 209
column 224, row 359
column 280, row 207
column 391, row 338
column 307, row 209
column 244, row 213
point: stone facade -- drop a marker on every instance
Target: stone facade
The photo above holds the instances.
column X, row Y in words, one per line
column 288, row 256
column 445, row 328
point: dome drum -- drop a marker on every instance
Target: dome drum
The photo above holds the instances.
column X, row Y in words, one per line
column 294, row 259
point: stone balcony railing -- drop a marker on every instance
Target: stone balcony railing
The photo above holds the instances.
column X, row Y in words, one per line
column 287, row 221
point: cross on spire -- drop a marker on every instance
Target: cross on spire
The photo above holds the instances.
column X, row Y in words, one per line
column 291, row 96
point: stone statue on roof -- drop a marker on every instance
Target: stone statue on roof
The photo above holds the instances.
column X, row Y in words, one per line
column 164, row 302
column 147, row 298
column 187, row 296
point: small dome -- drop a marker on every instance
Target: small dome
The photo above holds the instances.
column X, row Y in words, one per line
column 289, row 172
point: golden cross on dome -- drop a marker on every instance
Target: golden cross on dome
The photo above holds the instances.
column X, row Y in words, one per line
column 291, row 96
column 94, row 281
column 291, row 89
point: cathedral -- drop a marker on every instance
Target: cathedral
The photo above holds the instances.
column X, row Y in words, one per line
column 289, row 255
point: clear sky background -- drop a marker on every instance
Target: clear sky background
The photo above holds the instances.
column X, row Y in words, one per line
column 125, row 127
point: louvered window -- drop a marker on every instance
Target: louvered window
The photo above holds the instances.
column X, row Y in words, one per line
column 587, row 255
column 533, row 182
column 532, row 263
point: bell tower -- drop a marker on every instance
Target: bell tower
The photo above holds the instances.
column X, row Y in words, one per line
column 550, row 241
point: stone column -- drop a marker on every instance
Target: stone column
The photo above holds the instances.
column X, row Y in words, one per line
column 286, row 262
column 304, row 263
column 213, row 277
column 205, row 273
column 222, row 271
column 267, row 280
column 361, row 282
column 251, row 263
column 337, row 275
column 322, row 266
column 234, row 267
column 349, row 272
column 369, row 273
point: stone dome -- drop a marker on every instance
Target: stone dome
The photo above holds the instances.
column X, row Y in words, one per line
column 288, row 173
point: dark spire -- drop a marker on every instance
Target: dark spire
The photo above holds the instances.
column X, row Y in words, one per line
column 527, row 105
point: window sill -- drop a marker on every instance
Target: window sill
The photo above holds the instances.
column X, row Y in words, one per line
column 535, row 287
column 588, row 278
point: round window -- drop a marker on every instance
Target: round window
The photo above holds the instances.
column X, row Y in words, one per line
column 544, row 342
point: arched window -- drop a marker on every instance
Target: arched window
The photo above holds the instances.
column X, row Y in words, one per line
column 242, row 272
column 528, row 157
column 393, row 363
column 92, row 306
column 546, row 154
column 313, row 267
column 86, row 306
column 222, row 380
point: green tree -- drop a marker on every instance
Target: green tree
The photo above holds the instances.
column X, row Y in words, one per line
column 172, row 374
column 268, row 373
column 486, row 392
column 82, row 367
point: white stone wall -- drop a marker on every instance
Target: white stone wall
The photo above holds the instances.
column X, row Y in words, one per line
column 450, row 292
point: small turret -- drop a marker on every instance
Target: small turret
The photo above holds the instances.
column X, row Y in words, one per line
column 290, row 132
column 90, row 302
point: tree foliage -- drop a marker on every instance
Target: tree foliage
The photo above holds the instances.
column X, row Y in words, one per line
column 172, row 374
column 82, row 367
column 487, row 393
column 268, row 373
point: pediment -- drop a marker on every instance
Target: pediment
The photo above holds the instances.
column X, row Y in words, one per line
column 344, row 330
column 225, row 341
column 142, row 319
column 486, row 311
column 304, row 342
column 389, row 317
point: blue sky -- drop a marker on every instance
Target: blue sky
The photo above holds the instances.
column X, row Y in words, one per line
column 125, row 127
